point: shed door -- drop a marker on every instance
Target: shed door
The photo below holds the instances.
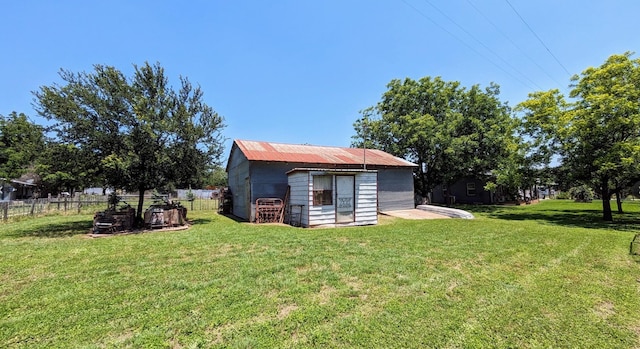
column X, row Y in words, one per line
column 345, row 187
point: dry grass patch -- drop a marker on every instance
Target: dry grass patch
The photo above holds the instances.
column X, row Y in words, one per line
column 285, row 310
column 324, row 296
column 604, row 309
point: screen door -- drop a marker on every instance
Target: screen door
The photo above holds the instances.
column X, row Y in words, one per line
column 345, row 187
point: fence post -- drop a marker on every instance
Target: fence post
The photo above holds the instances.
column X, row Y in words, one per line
column 79, row 205
column 33, row 206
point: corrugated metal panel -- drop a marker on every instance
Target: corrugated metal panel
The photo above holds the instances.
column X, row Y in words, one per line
column 395, row 190
column 279, row 152
column 238, row 169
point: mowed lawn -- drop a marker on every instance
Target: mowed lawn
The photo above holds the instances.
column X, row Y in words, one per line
column 545, row 275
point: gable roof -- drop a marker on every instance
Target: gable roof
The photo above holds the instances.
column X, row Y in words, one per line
column 313, row 154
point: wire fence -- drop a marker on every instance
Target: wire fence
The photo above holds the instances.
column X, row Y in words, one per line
column 10, row 210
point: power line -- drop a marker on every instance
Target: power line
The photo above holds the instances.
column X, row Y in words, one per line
column 539, row 39
column 481, row 43
column 466, row 44
column 512, row 42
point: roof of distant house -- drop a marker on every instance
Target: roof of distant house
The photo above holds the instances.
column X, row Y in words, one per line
column 313, row 154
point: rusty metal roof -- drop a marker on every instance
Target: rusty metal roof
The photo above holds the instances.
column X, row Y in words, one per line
column 313, row 154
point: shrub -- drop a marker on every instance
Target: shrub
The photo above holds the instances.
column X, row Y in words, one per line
column 581, row 193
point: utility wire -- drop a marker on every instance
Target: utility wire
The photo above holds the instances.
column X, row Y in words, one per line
column 536, row 35
column 467, row 45
column 513, row 42
column 481, row 43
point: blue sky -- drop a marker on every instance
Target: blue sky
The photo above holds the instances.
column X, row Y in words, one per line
column 300, row 71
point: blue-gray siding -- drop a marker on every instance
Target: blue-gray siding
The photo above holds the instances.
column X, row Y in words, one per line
column 238, row 172
column 395, row 189
column 268, row 180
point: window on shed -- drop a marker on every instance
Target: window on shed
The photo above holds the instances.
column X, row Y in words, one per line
column 322, row 190
column 471, row 189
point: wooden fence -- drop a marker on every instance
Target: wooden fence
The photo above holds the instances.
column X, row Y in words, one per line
column 87, row 204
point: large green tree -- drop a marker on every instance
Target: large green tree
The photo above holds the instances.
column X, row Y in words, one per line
column 597, row 136
column 61, row 168
column 21, row 143
column 138, row 133
column 450, row 131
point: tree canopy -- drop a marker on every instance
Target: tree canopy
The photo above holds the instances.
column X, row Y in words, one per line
column 21, row 143
column 136, row 133
column 597, row 135
column 450, row 131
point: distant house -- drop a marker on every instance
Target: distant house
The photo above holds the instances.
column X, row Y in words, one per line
column 319, row 178
column 471, row 190
column 464, row 191
column 19, row 189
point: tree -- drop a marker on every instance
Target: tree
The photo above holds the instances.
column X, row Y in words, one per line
column 530, row 159
column 604, row 126
column 21, row 143
column 597, row 136
column 138, row 133
column 451, row 132
column 216, row 177
column 59, row 174
column 543, row 113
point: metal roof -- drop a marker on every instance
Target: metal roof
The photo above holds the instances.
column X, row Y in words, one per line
column 313, row 154
column 331, row 170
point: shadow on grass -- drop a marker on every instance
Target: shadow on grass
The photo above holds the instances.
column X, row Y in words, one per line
column 56, row 230
column 234, row 218
column 579, row 217
column 199, row 221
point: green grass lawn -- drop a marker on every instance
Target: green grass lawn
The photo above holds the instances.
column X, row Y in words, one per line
column 546, row 275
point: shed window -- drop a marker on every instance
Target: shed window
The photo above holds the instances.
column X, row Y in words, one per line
column 322, row 190
column 471, row 189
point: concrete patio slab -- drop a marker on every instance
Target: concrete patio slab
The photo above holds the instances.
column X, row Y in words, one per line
column 414, row 214
column 446, row 211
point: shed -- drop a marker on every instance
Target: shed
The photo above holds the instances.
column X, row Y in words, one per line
column 260, row 170
column 333, row 197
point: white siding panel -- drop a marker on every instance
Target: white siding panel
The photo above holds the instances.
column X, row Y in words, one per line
column 322, row 215
column 299, row 194
column 367, row 198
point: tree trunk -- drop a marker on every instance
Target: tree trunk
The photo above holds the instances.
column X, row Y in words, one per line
column 139, row 221
column 421, row 184
column 606, row 201
column 619, row 200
